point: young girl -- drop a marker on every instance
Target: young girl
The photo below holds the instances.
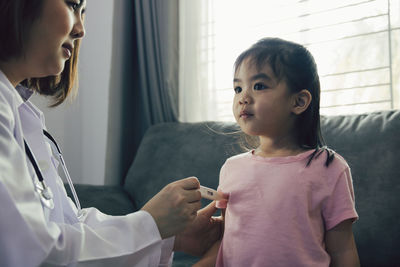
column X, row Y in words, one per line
column 291, row 200
column 39, row 224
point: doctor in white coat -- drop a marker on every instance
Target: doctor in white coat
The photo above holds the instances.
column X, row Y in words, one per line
column 39, row 224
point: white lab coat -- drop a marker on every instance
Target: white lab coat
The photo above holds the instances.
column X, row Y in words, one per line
column 31, row 234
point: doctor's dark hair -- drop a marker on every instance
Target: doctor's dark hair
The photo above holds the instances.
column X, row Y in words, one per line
column 16, row 18
column 294, row 64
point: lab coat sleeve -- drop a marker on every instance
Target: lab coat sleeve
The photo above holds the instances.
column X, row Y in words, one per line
column 27, row 239
column 134, row 232
column 166, row 252
column 103, row 240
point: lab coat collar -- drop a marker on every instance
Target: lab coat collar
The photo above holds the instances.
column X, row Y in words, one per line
column 24, row 92
column 21, row 93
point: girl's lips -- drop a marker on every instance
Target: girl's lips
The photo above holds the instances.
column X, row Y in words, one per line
column 245, row 114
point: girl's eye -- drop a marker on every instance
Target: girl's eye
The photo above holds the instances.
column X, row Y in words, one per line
column 237, row 90
column 259, row 86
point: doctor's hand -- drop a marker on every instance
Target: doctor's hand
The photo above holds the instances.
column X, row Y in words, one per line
column 175, row 206
column 200, row 235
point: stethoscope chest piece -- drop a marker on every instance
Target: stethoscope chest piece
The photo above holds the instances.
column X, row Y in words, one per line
column 46, row 195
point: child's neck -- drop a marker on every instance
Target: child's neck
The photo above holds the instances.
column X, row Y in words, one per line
column 278, row 148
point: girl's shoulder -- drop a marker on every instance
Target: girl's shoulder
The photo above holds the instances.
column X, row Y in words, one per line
column 238, row 157
column 327, row 159
column 340, row 159
column 323, row 175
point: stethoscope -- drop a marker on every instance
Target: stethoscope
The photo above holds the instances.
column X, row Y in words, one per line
column 46, row 195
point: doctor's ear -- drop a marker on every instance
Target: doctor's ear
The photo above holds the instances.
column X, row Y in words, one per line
column 301, row 101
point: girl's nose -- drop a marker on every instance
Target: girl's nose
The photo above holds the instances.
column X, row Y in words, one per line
column 244, row 98
column 243, row 101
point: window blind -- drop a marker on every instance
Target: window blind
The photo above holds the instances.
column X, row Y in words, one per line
column 354, row 42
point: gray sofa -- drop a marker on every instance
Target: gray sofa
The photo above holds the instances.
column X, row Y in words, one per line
column 369, row 142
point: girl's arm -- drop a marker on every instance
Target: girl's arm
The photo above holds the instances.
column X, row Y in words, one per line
column 341, row 246
column 210, row 257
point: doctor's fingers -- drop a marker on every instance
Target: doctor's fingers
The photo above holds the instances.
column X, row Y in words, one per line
column 192, row 195
column 188, row 183
column 191, row 210
column 183, row 191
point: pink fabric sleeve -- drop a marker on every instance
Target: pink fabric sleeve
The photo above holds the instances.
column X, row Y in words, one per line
column 340, row 205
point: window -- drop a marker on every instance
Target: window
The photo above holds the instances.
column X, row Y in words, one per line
column 355, row 44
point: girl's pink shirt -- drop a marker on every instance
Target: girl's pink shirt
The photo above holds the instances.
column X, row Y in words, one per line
column 279, row 209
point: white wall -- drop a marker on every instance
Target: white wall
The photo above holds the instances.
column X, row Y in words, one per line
column 80, row 127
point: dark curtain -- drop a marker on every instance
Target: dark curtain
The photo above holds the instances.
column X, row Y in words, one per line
column 158, row 55
column 144, row 78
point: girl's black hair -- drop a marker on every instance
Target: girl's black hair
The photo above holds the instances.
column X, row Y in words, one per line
column 294, row 64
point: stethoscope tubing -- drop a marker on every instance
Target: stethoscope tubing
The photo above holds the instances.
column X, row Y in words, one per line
column 44, row 191
column 64, row 166
column 33, row 161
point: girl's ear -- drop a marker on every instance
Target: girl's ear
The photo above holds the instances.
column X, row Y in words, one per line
column 301, row 101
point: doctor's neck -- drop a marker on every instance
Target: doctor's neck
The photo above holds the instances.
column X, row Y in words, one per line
column 13, row 71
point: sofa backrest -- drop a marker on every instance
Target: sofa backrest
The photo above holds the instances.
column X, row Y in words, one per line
column 369, row 142
column 171, row 151
column 371, row 145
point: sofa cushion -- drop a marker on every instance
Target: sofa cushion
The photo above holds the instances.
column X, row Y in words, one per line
column 112, row 200
column 369, row 142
